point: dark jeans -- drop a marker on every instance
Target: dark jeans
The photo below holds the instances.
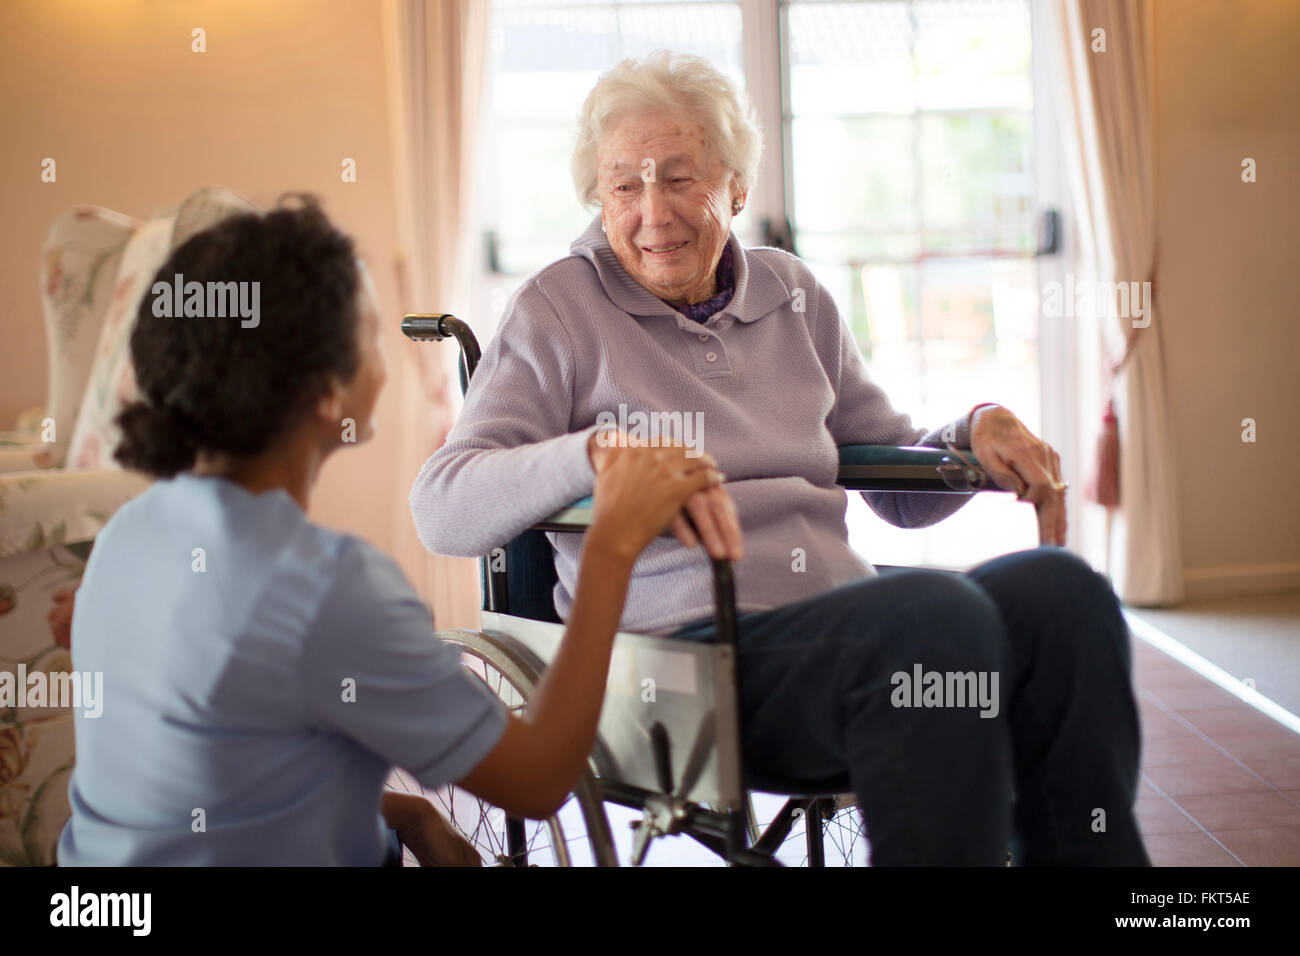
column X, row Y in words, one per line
column 821, row 686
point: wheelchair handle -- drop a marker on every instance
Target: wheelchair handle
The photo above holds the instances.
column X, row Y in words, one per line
column 434, row 327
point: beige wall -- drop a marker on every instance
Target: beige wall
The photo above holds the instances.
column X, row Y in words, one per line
column 136, row 121
column 1227, row 87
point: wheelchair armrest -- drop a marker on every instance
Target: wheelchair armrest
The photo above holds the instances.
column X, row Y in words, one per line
column 576, row 517
column 911, row 468
column 862, row 468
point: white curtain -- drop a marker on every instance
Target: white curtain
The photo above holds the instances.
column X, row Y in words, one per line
column 1107, row 117
column 436, row 53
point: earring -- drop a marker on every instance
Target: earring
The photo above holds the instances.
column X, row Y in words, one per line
column 736, row 206
column 602, row 225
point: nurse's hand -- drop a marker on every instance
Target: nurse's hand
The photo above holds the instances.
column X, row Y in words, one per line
column 435, row 842
column 641, row 491
column 711, row 508
column 424, row 832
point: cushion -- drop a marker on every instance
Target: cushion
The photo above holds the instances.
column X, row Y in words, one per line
column 79, row 264
column 112, row 383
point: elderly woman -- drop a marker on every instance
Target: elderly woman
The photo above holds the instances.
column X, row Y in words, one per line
column 658, row 309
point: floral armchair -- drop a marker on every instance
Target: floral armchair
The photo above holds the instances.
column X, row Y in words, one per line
column 59, row 485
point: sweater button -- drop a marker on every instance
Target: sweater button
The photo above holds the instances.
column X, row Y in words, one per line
column 710, row 356
column 703, row 337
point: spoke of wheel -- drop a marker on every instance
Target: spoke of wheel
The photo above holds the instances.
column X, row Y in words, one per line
column 848, row 830
column 843, row 830
column 493, row 844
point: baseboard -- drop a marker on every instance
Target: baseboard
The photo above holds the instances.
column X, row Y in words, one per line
column 1241, row 579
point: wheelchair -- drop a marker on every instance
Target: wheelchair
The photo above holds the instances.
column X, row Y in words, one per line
column 668, row 743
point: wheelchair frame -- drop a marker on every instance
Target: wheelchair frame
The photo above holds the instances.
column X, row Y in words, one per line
column 675, row 755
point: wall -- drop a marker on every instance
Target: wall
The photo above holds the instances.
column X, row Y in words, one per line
column 1227, row 87
column 136, row 121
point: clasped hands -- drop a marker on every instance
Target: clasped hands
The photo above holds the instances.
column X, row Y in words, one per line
column 711, row 509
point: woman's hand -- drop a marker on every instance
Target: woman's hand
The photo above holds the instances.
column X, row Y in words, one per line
column 425, row 833
column 641, row 490
column 1018, row 461
column 715, row 514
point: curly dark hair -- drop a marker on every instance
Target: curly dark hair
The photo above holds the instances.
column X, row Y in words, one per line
column 210, row 384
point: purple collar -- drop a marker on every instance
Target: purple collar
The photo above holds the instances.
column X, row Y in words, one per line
column 726, row 277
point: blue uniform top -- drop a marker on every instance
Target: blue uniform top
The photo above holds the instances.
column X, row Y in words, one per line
column 262, row 675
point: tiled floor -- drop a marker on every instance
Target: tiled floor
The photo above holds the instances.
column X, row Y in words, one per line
column 1220, row 780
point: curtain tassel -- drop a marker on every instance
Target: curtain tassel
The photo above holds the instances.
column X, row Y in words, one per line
column 1102, row 485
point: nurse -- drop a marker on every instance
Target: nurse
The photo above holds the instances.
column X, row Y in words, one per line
column 263, row 674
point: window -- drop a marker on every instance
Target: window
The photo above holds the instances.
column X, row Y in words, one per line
column 547, row 55
column 901, row 147
column 908, row 132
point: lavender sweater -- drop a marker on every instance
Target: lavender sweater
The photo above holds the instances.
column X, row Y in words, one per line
column 778, row 383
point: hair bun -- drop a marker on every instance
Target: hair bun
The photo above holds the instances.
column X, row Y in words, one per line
column 156, row 439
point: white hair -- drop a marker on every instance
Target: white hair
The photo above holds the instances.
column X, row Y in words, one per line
column 676, row 83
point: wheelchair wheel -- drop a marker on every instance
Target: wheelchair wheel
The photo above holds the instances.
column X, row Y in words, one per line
column 578, row 834
column 844, row 834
